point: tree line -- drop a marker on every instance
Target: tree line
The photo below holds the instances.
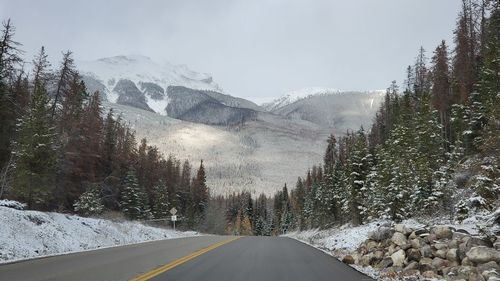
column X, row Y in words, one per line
column 447, row 112
column 60, row 150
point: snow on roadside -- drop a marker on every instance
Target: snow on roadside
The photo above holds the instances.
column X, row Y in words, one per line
column 345, row 239
column 29, row 234
column 339, row 241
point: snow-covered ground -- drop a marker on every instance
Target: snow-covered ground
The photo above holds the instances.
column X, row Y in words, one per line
column 29, row 234
column 297, row 95
column 338, row 241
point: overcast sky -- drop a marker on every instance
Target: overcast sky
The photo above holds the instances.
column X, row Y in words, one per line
column 254, row 49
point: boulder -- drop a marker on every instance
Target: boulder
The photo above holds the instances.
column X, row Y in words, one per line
column 441, row 246
column 412, row 266
column 401, row 228
column 430, row 238
column 442, row 232
column 425, row 264
column 410, row 274
column 453, row 243
column 392, row 248
column 398, row 258
column 426, row 251
column 466, row 262
column 371, row 245
column 429, row 274
column 440, row 254
column 439, row 263
column 379, row 255
column 466, row 270
column 476, row 277
column 348, row 259
column 381, row 233
column 416, row 243
column 405, row 246
column 482, row 254
column 452, row 255
column 399, row 239
column 496, row 245
column 413, row 254
column 490, row 274
column 385, row 263
column 476, row 241
column 367, row 259
column 488, row 266
column 447, row 270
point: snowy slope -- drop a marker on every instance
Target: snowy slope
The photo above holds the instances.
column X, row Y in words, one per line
column 329, row 108
column 293, row 96
column 149, row 77
column 28, row 234
column 301, row 94
column 259, row 156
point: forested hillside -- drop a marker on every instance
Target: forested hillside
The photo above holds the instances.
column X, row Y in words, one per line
column 59, row 151
column 433, row 149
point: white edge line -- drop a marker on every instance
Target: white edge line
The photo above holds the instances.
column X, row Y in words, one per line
column 93, row 249
column 328, row 253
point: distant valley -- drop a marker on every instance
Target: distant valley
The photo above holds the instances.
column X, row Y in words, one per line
column 245, row 146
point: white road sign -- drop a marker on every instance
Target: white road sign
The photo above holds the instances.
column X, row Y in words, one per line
column 173, row 211
column 173, row 218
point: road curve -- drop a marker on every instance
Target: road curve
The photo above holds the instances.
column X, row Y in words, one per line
column 247, row 258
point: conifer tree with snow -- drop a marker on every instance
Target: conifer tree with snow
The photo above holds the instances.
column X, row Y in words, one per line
column 359, row 167
column 134, row 201
column 90, row 202
column 160, row 207
column 35, row 152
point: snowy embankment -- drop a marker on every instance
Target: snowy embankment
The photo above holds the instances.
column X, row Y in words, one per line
column 338, row 241
column 29, row 234
column 346, row 239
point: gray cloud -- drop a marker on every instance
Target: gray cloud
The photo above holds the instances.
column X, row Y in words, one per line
column 254, row 49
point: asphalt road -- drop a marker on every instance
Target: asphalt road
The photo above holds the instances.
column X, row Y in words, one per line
column 205, row 258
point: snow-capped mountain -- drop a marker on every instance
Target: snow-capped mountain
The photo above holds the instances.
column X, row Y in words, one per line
column 167, row 89
column 143, row 69
column 181, row 112
column 296, row 95
column 329, row 108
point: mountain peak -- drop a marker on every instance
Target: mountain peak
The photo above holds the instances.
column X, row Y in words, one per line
column 297, row 95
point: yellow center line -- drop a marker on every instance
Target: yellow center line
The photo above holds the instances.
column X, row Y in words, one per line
column 168, row 266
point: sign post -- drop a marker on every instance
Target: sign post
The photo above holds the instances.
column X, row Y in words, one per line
column 173, row 218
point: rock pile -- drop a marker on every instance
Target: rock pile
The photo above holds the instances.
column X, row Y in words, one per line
column 438, row 252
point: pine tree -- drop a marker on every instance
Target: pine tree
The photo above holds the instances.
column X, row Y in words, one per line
column 65, row 76
column 35, row 152
column 200, row 190
column 160, row 207
column 184, row 187
column 134, row 203
column 9, row 108
column 90, row 202
column 359, row 167
column 109, row 146
column 441, row 88
column 487, row 109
